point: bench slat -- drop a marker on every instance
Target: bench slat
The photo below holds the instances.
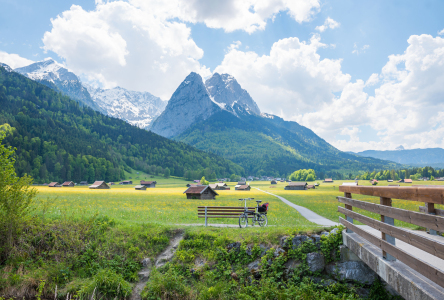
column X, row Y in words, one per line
column 234, row 207
column 222, row 217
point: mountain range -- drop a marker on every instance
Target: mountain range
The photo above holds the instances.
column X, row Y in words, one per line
column 137, row 108
column 433, row 157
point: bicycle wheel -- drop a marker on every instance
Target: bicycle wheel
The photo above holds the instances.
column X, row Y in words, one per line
column 243, row 221
column 262, row 220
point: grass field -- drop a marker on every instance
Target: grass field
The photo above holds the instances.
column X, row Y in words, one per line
column 166, row 204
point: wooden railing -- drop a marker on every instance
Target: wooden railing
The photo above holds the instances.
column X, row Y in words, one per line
column 430, row 218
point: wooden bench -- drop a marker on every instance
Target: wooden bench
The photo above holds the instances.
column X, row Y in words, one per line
column 221, row 212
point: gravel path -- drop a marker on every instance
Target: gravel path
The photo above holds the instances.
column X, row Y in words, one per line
column 305, row 212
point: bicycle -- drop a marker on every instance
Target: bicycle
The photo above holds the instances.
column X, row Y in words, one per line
column 260, row 216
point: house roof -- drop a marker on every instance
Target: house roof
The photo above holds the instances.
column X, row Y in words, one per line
column 83, row 181
column 213, row 186
column 97, row 183
column 310, row 186
column 408, row 181
column 298, row 183
column 241, row 182
column 147, row 182
column 67, row 183
column 198, row 189
column 243, row 187
column 139, row 187
column 53, row 184
column 328, row 179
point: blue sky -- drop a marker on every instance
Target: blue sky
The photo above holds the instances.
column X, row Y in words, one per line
column 206, row 37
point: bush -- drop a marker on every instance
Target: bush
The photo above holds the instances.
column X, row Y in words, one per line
column 106, row 284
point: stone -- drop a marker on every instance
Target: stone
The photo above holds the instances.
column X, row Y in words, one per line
column 351, row 271
column 290, row 266
column 144, row 276
column 347, row 254
column 315, row 261
column 283, row 241
column 234, row 246
column 334, row 231
column 199, row 262
column 278, row 251
column 316, row 240
column 146, row 262
column 249, row 250
column 254, row 268
column 322, row 281
column 264, row 249
column 326, row 233
column 298, row 240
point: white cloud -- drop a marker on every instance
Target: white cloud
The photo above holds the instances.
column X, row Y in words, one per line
column 120, row 44
column 357, row 51
column 329, row 23
column 14, row 60
column 230, row 15
column 234, row 45
column 441, row 32
column 289, row 81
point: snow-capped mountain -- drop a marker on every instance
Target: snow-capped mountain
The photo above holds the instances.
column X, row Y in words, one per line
column 225, row 89
column 7, row 68
column 57, row 76
column 193, row 102
column 137, row 108
column 189, row 104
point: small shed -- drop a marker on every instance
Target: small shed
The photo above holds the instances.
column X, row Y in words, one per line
column 241, row 183
column 54, row 184
column 219, row 186
column 311, row 186
column 99, row 185
column 328, row 180
column 196, row 181
column 296, row 186
column 350, row 183
column 140, row 187
column 126, row 182
column 203, row 192
column 274, row 182
column 148, row 184
column 83, row 183
column 242, row 187
column 389, row 180
column 374, row 182
column 406, row 180
column 68, row 183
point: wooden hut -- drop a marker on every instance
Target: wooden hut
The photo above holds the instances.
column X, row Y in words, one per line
column 140, row 187
column 83, row 183
column 203, row 192
column 374, row 182
column 54, row 184
column 406, row 180
column 242, row 187
column 311, row 186
column 99, row 185
column 328, row 180
column 219, row 186
column 241, row 183
column 126, row 182
column 296, row 186
column 148, row 184
column 68, row 184
column 274, row 182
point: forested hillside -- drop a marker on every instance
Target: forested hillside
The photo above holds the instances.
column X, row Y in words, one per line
column 265, row 146
column 414, row 157
column 57, row 139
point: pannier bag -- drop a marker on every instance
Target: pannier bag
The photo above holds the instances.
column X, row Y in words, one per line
column 263, row 208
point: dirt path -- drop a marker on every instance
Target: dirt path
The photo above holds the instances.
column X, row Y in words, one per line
column 160, row 260
column 305, row 212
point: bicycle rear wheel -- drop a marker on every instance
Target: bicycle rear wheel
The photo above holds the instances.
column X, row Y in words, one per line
column 243, row 221
column 262, row 220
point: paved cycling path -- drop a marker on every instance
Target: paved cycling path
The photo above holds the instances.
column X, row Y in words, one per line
column 305, row 212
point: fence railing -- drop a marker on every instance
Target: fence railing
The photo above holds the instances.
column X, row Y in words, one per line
column 428, row 217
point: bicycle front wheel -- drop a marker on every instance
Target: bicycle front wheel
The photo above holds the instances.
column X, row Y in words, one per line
column 262, row 220
column 243, row 221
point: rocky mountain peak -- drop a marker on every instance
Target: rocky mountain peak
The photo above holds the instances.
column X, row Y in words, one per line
column 7, row 68
column 190, row 103
column 224, row 89
column 49, row 70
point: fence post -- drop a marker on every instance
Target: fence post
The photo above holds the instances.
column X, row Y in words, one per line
column 430, row 209
column 349, row 207
column 206, row 219
column 390, row 221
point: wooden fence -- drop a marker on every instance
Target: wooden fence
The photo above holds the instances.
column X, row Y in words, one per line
column 428, row 217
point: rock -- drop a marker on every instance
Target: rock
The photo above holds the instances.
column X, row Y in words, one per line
column 283, row 242
column 326, row 233
column 146, row 262
column 334, row 231
column 316, row 240
column 264, row 249
column 254, row 268
column 249, row 250
column 144, row 276
column 298, row 240
column 278, row 251
column 315, row 261
column 352, row 271
column 363, row 292
column 199, row 262
column 347, row 254
column 234, row 276
column 322, row 281
column 290, row 266
column 234, row 246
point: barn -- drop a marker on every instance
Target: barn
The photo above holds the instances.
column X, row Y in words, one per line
column 274, row 182
column 54, row 184
column 241, row 183
column 99, row 185
column 328, row 180
column 406, row 180
column 83, row 183
column 68, row 183
column 311, row 186
column 126, row 182
column 148, row 184
column 219, row 186
column 140, row 187
column 203, row 192
column 243, row 187
column 296, row 186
